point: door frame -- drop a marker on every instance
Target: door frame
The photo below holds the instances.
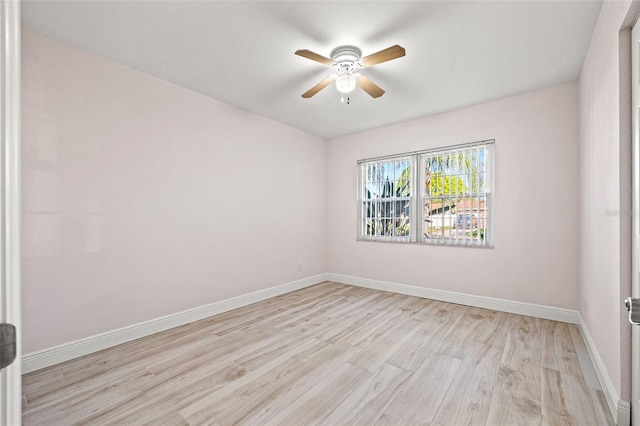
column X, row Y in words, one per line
column 10, row 303
column 635, row 223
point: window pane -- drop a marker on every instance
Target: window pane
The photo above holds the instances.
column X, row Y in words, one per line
column 388, row 185
column 454, row 193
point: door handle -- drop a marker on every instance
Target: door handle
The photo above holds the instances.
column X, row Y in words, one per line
column 633, row 306
column 7, row 345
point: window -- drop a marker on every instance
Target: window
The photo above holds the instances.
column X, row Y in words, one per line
column 440, row 196
column 386, row 199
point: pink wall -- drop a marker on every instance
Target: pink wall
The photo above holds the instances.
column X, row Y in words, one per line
column 605, row 189
column 535, row 259
column 142, row 199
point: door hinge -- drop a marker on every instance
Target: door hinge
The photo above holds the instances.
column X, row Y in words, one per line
column 7, row 344
column 633, row 306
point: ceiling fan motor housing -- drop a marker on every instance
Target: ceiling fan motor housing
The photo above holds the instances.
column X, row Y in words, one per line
column 346, row 55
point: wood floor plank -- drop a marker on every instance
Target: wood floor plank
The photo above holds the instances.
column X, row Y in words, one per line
column 433, row 312
column 204, row 374
column 568, row 395
column 519, row 370
column 258, row 401
column 411, row 354
column 231, row 344
column 493, row 330
column 526, row 339
column 93, row 365
column 371, row 356
column 200, row 406
column 317, row 325
column 551, row 417
column 78, row 409
column 469, row 397
column 442, row 315
column 359, row 301
column 560, row 353
column 523, row 380
column 369, row 401
column 603, row 416
column 168, row 397
column 97, row 364
column 118, row 380
column 277, row 307
column 368, row 328
column 41, row 382
column 509, row 408
column 332, row 354
column 567, row 362
column 308, row 314
column 417, row 403
column 414, row 306
column 316, row 404
column 260, row 355
column 135, row 411
column 557, row 336
column 456, row 340
column 414, row 352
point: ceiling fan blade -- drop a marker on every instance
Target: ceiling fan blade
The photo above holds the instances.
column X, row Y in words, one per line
column 369, row 86
column 318, row 87
column 314, row 56
column 393, row 52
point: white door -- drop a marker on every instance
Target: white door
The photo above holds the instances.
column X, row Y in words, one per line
column 10, row 377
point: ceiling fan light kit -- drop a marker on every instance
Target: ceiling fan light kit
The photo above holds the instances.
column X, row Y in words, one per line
column 346, row 81
column 346, row 60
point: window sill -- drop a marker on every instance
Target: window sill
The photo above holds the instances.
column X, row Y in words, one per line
column 424, row 243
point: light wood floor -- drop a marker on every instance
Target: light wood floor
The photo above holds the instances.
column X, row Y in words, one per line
column 337, row 355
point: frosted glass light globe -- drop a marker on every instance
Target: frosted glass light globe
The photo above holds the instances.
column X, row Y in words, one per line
column 346, row 82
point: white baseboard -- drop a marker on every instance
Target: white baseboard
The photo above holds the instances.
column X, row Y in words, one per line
column 624, row 413
column 620, row 409
column 528, row 309
column 36, row 360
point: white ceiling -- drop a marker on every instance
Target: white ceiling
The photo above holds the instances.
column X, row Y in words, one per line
column 459, row 53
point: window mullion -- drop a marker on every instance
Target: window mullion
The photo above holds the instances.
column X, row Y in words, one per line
column 414, row 201
column 476, row 176
column 360, row 201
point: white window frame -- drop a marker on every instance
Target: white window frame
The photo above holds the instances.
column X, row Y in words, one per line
column 361, row 200
column 418, row 231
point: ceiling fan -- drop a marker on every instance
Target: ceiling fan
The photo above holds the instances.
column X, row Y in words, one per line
column 346, row 60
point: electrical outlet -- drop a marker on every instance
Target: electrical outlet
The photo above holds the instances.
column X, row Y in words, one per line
column 299, row 267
